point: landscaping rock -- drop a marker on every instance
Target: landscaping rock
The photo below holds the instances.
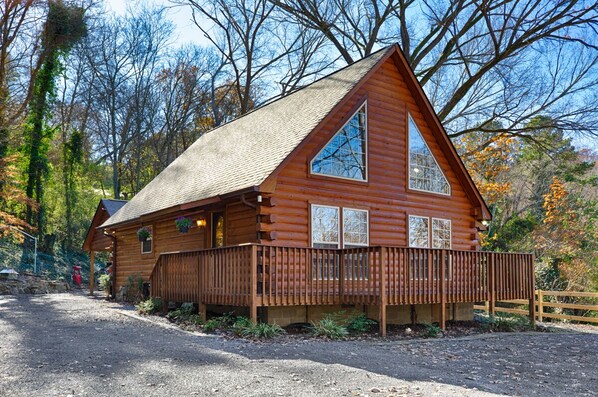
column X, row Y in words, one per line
column 32, row 284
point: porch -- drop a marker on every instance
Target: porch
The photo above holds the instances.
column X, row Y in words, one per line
column 256, row 275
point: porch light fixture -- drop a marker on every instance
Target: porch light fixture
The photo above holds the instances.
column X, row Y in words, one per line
column 201, row 222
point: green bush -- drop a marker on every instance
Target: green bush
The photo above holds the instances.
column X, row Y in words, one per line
column 133, row 289
column 211, row 325
column 183, row 313
column 329, row 328
column 359, row 324
column 261, row 330
column 150, row 306
column 241, row 324
column 105, row 282
column 196, row 319
column 505, row 322
column 431, row 331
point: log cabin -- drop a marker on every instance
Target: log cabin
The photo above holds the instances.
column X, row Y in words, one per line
column 347, row 193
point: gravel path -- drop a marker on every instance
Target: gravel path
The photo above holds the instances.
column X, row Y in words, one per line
column 70, row 344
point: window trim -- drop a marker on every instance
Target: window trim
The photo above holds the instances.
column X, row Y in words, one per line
column 151, row 248
column 427, row 218
column 366, row 147
column 430, row 221
column 367, row 220
column 450, row 232
column 408, row 184
column 311, row 228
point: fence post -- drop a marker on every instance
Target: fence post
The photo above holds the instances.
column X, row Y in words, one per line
column 492, row 285
column 540, row 305
column 253, row 285
column 443, row 290
column 383, row 297
column 532, row 287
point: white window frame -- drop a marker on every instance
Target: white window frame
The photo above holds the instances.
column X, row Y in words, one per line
column 367, row 220
column 151, row 246
column 450, row 232
column 363, row 105
column 409, row 230
column 411, row 119
column 338, row 226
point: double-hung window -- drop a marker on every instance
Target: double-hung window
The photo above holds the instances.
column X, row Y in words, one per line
column 335, row 227
column 422, row 234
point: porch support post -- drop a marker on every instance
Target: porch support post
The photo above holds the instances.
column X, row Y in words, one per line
column 443, row 290
column 532, row 291
column 383, row 297
column 253, row 285
column 91, row 271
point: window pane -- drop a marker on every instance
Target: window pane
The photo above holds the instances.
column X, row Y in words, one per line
column 418, row 232
column 424, row 172
column 345, row 154
column 355, row 227
column 441, row 233
column 324, row 225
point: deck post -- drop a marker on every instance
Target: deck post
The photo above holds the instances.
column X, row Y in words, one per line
column 253, row 285
column 443, row 290
column 540, row 305
column 383, row 297
column 91, row 271
column 532, row 290
column 492, row 285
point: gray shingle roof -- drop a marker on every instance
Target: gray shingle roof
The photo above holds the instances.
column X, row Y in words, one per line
column 243, row 153
column 112, row 205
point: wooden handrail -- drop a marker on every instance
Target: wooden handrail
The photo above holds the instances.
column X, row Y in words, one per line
column 254, row 275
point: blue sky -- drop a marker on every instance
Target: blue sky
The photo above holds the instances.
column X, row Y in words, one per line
column 187, row 32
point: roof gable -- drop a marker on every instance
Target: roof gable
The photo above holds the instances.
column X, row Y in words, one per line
column 106, row 208
column 248, row 152
column 244, row 152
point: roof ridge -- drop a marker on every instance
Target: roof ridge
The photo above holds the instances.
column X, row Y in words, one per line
column 279, row 97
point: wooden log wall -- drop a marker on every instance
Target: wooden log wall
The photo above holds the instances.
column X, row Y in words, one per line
column 385, row 194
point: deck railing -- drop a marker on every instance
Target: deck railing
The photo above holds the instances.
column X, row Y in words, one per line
column 257, row 275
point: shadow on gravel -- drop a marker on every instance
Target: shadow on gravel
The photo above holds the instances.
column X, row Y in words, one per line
column 58, row 337
column 74, row 333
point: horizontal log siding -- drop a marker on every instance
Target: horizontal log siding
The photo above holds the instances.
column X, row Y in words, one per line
column 385, row 194
column 240, row 225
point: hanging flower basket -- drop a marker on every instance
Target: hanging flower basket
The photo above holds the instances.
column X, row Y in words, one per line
column 144, row 233
column 183, row 224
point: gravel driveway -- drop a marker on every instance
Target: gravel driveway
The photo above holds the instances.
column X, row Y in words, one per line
column 70, row 344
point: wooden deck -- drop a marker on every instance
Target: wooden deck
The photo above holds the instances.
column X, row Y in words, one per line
column 258, row 275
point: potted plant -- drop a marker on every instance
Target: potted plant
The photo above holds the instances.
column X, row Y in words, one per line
column 183, row 223
column 144, row 233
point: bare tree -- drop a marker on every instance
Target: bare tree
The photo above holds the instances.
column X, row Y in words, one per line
column 124, row 55
column 255, row 47
column 479, row 61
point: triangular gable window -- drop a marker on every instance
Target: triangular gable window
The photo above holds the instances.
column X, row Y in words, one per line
column 345, row 154
column 424, row 172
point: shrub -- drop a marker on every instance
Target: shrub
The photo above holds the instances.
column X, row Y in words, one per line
column 150, row 306
column 211, row 325
column 241, row 324
column 507, row 322
column 431, row 331
column 105, row 282
column 183, row 313
column 329, row 328
column 359, row 323
column 133, row 291
column 196, row 319
column 261, row 330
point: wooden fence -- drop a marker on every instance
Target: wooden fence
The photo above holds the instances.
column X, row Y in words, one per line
column 541, row 304
column 257, row 275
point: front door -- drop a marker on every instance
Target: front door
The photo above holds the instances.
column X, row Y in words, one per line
column 218, row 229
